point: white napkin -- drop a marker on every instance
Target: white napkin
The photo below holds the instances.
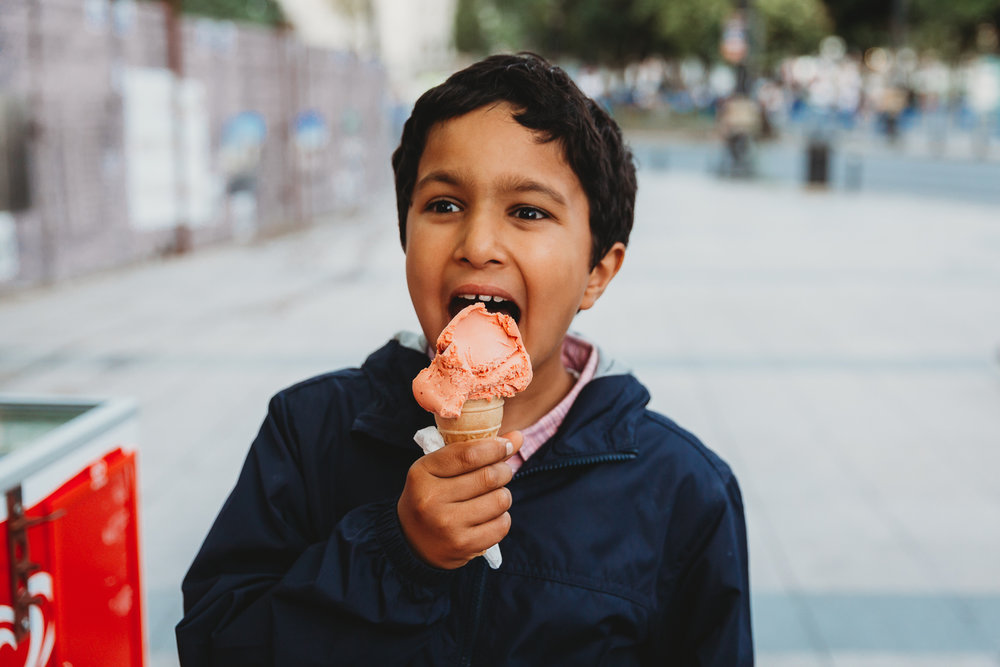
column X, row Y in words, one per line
column 430, row 441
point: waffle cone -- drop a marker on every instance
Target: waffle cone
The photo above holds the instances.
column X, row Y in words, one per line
column 480, row 418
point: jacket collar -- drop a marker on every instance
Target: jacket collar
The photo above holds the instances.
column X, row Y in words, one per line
column 394, row 415
column 602, row 420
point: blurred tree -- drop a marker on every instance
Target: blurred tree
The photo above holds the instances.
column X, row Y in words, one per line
column 947, row 26
column 256, row 11
column 596, row 32
column 791, row 27
column 469, row 35
column 612, row 32
column 950, row 26
column 616, row 32
column 686, row 27
column 862, row 23
column 592, row 31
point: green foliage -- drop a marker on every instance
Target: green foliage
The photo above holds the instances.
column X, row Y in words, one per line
column 469, row 36
column 587, row 30
column 256, row 11
column 592, row 31
column 615, row 32
column 862, row 23
column 949, row 27
column 792, row 27
column 946, row 26
column 686, row 27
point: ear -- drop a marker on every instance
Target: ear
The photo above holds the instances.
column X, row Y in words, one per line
column 601, row 275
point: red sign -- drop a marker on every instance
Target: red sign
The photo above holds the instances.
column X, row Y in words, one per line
column 87, row 609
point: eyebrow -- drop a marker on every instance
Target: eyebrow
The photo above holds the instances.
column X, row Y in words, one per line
column 507, row 185
column 440, row 176
column 517, row 184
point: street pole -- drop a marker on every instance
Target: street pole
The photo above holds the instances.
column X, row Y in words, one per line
column 175, row 62
column 900, row 9
column 742, row 72
column 898, row 36
column 740, row 115
column 40, row 139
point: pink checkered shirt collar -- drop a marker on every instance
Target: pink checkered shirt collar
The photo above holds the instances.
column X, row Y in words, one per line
column 580, row 357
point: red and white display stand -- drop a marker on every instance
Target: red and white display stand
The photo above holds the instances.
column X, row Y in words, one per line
column 70, row 584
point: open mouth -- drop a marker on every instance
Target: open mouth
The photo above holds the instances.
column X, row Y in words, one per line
column 494, row 304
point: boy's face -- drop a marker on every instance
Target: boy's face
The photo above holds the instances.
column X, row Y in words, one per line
column 495, row 212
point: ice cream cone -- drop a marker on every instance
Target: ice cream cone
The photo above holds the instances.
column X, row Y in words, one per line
column 480, row 418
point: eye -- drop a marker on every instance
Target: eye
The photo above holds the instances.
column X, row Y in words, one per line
column 442, row 206
column 530, row 213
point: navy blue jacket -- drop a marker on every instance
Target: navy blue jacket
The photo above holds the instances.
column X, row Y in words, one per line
column 627, row 545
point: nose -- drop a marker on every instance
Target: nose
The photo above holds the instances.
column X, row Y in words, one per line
column 481, row 243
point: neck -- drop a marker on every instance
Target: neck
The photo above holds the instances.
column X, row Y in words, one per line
column 549, row 385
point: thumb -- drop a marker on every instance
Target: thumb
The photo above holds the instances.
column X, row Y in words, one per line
column 516, row 439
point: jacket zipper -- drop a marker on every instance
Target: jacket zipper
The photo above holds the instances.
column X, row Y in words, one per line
column 480, row 581
column 479, row 588
column 581, row 461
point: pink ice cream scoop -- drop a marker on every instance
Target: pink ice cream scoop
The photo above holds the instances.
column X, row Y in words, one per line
column 480, row 355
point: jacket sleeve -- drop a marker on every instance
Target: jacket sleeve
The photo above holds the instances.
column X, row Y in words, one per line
column 264, row 589
column 708, row 618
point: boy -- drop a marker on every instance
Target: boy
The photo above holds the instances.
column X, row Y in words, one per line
column 623, row 537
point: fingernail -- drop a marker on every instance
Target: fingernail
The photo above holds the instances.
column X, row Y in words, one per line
column 510, row 447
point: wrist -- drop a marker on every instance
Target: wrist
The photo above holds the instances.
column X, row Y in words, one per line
column 399, row 553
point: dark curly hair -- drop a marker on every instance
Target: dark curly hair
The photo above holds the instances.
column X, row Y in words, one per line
column 548, row 102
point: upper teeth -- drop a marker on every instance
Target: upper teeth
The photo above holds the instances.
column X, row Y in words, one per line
column 481, row 297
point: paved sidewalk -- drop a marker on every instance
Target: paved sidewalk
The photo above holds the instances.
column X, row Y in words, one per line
column 840, row 351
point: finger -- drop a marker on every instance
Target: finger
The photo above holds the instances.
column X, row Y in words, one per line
column 463, row 457
column 516, row 439
column 480, row 538
column 485, row 508
column 473, row 484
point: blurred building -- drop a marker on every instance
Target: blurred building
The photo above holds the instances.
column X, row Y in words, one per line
column 113, row 152
column 414, row 40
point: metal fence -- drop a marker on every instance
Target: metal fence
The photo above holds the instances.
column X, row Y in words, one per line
column 123, row 159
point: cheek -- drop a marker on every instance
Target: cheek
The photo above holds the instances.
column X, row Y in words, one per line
column 425, row 239
column 416, row 268
column 416, row 249
column 427, row 255
column 559, row 273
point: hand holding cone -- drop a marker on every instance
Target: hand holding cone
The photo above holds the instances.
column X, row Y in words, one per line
column 480, row 359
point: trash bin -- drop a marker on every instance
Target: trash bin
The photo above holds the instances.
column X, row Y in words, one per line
column 70, row 584
column 818, row 162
